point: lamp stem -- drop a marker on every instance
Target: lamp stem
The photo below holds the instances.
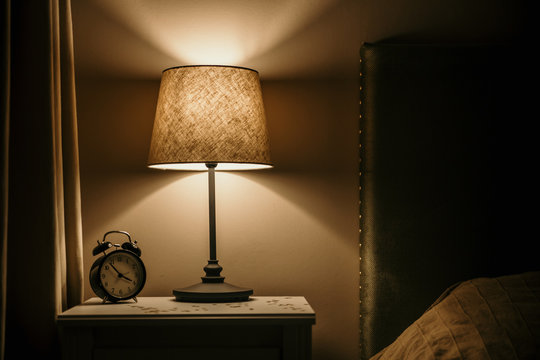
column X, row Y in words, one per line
column 212, row 208
column 213, row 287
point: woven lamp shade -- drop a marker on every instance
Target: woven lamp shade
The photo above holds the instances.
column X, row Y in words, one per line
column 209, row 114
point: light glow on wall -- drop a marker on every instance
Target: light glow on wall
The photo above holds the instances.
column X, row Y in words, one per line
column 215, row 32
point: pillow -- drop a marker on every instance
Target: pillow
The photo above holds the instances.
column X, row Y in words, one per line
column 483, row 318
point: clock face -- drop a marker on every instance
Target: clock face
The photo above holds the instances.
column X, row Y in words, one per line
column 122, row 274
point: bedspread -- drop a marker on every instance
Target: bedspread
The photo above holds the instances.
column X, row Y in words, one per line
column 482, row 318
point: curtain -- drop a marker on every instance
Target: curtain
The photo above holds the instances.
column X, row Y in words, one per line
column 41, row 250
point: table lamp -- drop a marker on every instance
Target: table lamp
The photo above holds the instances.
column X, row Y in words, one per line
column 210, row 118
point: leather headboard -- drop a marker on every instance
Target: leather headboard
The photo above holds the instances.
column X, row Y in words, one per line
column 445, row 177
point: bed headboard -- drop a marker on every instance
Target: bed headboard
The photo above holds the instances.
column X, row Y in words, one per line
column 444, row 183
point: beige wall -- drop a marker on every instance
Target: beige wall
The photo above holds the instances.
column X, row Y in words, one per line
column 291, row 230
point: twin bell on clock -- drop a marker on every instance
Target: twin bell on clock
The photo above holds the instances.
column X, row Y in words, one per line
column 119, row 273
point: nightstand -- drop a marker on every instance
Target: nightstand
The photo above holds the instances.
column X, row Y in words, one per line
column 274, row 327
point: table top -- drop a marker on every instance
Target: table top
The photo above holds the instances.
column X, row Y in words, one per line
column 168, row 307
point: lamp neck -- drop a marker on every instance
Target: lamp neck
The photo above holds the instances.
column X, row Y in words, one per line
column 212, row 269
column 212, row 208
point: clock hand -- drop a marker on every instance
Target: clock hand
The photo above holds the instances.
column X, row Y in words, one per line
column 120, row 275
column 115, row 269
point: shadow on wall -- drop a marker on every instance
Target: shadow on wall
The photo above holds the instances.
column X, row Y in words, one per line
column 313, row 129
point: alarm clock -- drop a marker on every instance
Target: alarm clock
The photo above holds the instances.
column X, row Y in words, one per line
column 119, row 273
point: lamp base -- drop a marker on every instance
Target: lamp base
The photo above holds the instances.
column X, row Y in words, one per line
column 213, row 288
column 209, row 292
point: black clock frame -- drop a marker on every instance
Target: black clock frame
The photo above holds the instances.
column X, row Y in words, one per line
column 95, row 270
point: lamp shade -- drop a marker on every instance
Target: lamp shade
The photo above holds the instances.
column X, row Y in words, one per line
column 209, row 114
